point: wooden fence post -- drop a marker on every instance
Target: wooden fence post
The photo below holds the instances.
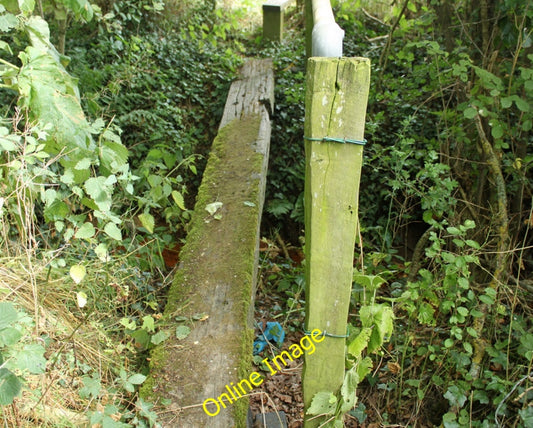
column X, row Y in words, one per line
column 273, row 19
column 336, row 100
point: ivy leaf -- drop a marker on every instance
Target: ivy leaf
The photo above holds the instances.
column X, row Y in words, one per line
column 9, row 387
column 455, row 396
column 148, row 222
column 323, row 403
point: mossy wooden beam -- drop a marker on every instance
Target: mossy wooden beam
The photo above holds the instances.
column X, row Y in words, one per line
column 336, row 100
column 214, row 285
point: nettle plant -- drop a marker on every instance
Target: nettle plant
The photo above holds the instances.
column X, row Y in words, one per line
column 19, row 357
column 375, row 326
column 78, row 171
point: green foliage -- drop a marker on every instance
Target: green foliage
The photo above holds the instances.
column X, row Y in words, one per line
column 18, row 356
column 376, row 326
column 284, row 192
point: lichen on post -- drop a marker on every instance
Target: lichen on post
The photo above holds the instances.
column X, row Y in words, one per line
column 336, row 100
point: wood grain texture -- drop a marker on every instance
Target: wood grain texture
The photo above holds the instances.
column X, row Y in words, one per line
column 336, row 99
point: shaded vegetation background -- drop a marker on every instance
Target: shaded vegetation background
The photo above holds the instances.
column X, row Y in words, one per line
column 445, row 206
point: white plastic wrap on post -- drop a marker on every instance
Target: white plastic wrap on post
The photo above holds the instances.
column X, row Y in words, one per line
column 327, row 36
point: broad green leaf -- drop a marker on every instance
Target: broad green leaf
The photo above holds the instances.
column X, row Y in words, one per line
column 182, row 332
column 455, row 396
column 178, row 199
column 148, row 222
column 85, row 163
column 10, row 386
column 159, row 337
column 101, row 252
column 453, row 231
column 349, row 386
column 148, row 323
column 9, row 336
column 112, row 230
column 56, row 211
column 470, row 112
column 100, row 192
column 370, row 282
column 26, row 6
column 213, row 207
column 506, row 101
column 81, row 8
column 129, row 324
column 360, row 342
column 52, row 97
column 31, row 358
column 8, row 314
column 364, row 367
column 77, row 273
column 462, row 311
column 522, row 104
column 323, row 403
column 497, row 131
column 8, row 21
column 9, row 143
column 81, row 299
column 91, row 386
column 527, row 416
column 137, row 379
column 381, row 318
column 113, row 155
column 86, row 231
column 142, row 338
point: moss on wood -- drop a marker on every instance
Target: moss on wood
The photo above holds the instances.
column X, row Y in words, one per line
column 216, row 277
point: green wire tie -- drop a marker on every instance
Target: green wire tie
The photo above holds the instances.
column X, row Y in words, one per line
column 339, row 140
column 325, row 333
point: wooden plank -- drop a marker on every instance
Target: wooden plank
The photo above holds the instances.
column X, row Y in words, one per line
column 217, row 271
column 336, row 99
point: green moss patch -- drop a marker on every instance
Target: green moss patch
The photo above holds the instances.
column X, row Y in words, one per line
column 216, row 278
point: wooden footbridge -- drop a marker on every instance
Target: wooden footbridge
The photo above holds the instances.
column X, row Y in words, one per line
column 200, row 379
